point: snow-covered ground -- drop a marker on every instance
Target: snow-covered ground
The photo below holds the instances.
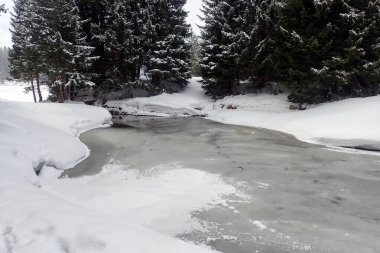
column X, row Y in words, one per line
column 122, row 210
column 350, row 122
column 117, row 210
column 15, row 91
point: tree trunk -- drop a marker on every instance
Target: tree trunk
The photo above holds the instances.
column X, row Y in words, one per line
column 34, row 91
column 39, row 88
column 61, row 94
column 69, row 92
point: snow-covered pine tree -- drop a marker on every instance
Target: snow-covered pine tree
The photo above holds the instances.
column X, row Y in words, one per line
column 211, row 35
column 262, row 18
column 117, row 38
column 22, row 54
column 169, row 63
column 99, row 16
column 224, row 40
column 328, row 51
column 371, row 42
column 66, row 53
column 299, row 24
column 139, row 40
column 121, row 32
column 195, row 55
column 359, row 68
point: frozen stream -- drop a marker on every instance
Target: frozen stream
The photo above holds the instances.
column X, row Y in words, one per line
column 305, row 198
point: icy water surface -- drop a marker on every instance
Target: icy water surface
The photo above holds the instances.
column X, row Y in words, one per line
column 304, row 198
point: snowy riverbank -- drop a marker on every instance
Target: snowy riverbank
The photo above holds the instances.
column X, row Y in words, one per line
column 351, row 122
column 15, row 91
column 117, row 210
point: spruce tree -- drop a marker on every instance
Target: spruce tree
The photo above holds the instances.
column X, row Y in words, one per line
column 22, row 55
column 262, row 19
column 195, row 55
column 329, row 50
column 65, row 51
column 99, row 16
column 140, row 43
column 168, row 61
column 224, row 40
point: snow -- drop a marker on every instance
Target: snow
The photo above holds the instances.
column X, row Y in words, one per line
column 117, row 210
column 15, row 91
column 350, row 122
column 259, row 225
column 124, row 210
column 164, row 105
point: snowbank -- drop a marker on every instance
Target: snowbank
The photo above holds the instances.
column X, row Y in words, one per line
column 187, row 103
column 35, row 134
column 15, row 91
column 351, row 122
column 117, row 210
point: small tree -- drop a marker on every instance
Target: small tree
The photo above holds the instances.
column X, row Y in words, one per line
column 195, row 55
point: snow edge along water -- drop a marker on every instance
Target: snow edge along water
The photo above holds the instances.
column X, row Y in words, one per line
column 341, row 126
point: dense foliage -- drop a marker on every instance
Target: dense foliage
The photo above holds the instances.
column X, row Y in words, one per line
column 331, row 49
column 320, row 50
column 117, row 45
column 140, row 43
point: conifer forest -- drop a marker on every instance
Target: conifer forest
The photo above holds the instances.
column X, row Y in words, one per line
column 316, row 50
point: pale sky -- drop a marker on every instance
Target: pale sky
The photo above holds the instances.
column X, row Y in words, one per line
column 193, row 6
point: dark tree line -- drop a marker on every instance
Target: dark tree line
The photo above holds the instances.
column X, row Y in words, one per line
column 114, row 44
column 319, row 50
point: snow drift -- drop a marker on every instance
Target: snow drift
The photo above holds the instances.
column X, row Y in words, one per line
column 117, row 210
column 351, row 122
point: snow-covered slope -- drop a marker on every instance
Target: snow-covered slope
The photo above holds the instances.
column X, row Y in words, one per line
column 15, row 91
column 117, row 210
column 188, row 103
column 349, row 122
column 36, row 134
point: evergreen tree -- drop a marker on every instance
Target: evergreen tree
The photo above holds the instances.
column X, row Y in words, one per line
column 21, row 57
column 168, row 59
column 224, row 42
column 328, row 52
column 66, row 54
column 140, row 43
column 99, row 16
column 195, row 55
column 262, row 19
